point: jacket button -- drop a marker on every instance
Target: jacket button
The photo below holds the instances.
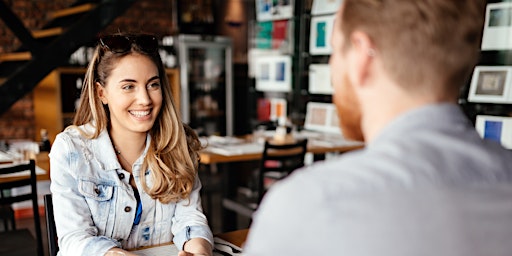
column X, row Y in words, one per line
column 121, row 176
column 127, row 209
column 97, row 191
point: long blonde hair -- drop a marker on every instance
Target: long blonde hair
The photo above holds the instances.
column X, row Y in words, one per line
column 172, row 156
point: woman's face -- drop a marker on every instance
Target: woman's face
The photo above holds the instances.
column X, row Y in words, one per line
column 133, row 93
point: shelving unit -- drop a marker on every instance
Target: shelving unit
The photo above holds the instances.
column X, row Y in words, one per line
column 56, row 95
column 298, row 39
column 488, row 57
column 206, row 83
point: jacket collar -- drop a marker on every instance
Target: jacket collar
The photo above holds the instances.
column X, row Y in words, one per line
column 103, row 149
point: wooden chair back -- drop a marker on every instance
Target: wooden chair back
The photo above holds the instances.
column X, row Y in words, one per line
column 53, row 246
column 30, row 180
column 279, row 160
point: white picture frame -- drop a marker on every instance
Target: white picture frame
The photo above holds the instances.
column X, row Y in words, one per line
column 274, row 10
column 321, row 7
column 278, row 109
column 252, row 58
column 320, row 37
column 497, row 33
column 320, row 79
column 491, row 84
column 322, row 117
column 496, row 128
column 274, row 73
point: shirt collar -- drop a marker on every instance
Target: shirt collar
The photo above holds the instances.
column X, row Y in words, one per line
column 432, row 116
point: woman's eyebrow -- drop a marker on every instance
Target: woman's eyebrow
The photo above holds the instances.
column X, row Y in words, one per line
column 154, row 78
column 133, row 80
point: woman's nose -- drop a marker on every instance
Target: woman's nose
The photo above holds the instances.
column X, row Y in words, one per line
column 143, row 97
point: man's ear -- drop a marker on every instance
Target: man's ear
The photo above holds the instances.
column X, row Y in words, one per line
column 363, row 53
column 100, row 90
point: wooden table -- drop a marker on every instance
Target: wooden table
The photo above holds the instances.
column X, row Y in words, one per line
column 208, row 157
column 42, row 162
column 237, row 237
column 231, row 179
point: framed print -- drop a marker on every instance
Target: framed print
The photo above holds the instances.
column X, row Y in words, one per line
column 496, row 128
column 498, row 27
column 276, row 35
column 491, row 84
column 278, row 110
column 274, row 9
column 282, row 36
column 321, row 7
column 320, row 38
column 322, row 117
column 273, row 73
column 252, row 59
column 320, row 79
column 263, row 35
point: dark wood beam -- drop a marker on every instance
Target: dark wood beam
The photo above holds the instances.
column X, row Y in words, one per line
column 18, row 28
column 57, row 53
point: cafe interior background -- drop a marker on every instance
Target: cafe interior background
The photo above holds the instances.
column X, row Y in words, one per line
column 235, row 66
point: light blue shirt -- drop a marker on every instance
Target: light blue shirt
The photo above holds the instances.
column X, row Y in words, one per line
column 427, row 185
column 95, row 205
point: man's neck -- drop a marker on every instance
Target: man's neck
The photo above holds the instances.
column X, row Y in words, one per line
column 383, row 107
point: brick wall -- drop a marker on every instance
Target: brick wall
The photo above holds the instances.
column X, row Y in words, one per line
column 151, row 16
column 18, row 122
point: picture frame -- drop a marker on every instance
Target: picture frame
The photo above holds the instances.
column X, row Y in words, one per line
column 321, row 7
column 272, row 35
column 322, row 117
column 320, row 79
column 278, row 109
column 495, row 128
column 252, row 59
column 262, row 34
column 497, row 33
column 491, row 84
column 320, row 37
column 273, row 73
column 274, row 10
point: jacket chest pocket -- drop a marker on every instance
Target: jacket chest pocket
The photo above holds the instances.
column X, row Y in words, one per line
column 98, row 196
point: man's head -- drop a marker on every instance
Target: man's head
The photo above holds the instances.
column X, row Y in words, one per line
column 426, row 47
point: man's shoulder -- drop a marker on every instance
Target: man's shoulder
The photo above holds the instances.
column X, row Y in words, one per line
column 349, row 172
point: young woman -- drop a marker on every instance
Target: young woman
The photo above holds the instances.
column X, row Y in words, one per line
column 124, row 174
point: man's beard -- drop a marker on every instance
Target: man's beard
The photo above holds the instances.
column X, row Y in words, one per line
column 349, row 111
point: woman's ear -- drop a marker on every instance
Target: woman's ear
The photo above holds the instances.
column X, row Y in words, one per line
column 363, row 54
column 101, row 93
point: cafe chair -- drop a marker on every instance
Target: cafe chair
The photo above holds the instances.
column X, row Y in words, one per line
column 21, row 241
column 278, row 161
column 53, row 246
column 7, row 214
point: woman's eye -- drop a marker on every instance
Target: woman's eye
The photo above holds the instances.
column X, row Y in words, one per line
column 154, row 86
column 127, row 87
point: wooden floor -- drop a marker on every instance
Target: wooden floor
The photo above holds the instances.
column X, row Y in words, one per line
column 28, row 223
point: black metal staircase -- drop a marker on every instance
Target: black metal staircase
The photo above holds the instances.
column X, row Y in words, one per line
column 44, row 50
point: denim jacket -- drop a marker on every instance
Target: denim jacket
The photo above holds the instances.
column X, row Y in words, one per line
column 95, row 205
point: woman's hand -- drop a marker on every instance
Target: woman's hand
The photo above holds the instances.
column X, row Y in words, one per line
column 119, row 252
column 184, row 253
column 196, row 247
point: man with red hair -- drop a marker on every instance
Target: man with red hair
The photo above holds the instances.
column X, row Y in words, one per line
column 426, row 183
